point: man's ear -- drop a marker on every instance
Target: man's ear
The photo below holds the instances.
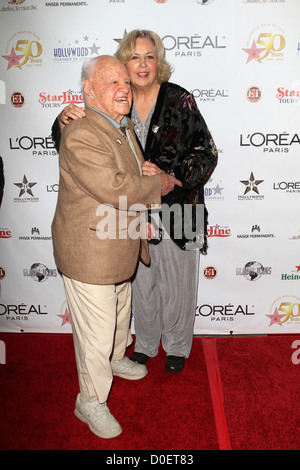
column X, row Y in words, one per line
column 87, row 87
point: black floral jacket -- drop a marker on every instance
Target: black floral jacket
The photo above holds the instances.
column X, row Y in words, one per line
column 179, row 143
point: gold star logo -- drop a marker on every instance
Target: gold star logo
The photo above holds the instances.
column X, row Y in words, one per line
column 25, row 187
column 251, row 184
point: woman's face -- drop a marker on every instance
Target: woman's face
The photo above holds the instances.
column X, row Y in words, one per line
column 143, row 65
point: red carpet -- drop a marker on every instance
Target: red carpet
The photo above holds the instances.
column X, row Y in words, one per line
column 163, row 411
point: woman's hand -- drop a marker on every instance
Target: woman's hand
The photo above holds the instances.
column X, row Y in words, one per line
column 68, row 113
column 150, row 231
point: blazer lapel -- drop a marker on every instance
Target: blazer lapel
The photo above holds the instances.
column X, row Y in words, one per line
column 154, row 123
column 118, row 140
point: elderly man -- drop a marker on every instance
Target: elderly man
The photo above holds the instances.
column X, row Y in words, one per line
column 98, row 164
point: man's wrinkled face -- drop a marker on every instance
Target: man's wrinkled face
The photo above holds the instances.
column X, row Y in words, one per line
column 109, row 89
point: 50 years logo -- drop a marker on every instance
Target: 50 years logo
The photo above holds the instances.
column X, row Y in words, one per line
column 24, row 48
column 265, row 42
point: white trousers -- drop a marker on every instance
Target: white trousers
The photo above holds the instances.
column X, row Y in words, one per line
column 100, row 319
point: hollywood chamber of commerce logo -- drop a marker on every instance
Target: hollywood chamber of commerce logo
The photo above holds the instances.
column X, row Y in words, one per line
column 23, row 49
column 265, row 42
column 77, row 49
column 213, row 191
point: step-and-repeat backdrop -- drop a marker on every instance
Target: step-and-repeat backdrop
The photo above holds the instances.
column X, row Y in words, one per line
column 241, row 60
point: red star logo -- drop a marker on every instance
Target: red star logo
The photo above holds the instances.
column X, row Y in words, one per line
column 65, row 317
column 13, row 59
column 276, row 318
column 253, row 53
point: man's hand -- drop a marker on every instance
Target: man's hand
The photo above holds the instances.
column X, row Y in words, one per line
column 168, row 183
column 68, row 113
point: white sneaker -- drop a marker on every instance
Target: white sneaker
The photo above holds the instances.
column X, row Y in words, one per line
column 128, row 369
column 98, row 417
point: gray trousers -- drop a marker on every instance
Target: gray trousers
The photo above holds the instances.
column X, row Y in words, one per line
column 164, row 297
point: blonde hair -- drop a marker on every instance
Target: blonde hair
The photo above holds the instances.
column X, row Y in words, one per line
column 126, row 48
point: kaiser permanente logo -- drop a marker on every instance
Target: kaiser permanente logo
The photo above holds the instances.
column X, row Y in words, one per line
column 266, row 42
column 76, row 49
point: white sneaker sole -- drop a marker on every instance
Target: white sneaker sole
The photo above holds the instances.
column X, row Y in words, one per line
column 130, row 377
column 103, row 434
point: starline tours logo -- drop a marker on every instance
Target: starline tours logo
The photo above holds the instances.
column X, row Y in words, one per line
column 218, row 231
column 288, row 95
column 64, row 98
column 5, row 233
column 23, row 49
column 266, row 42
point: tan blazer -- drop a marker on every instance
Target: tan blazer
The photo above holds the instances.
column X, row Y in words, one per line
column 97, row 166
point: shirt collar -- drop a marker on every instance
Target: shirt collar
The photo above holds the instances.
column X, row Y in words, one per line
column 124, row 121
